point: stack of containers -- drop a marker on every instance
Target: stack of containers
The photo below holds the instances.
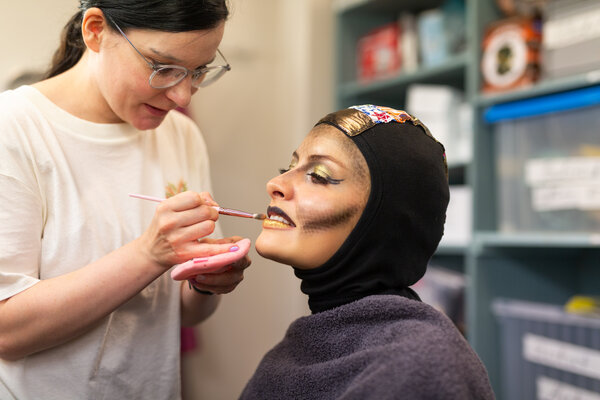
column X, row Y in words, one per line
column 547, row 353
column 548, row 162
column 548, row 181
column 571, row 38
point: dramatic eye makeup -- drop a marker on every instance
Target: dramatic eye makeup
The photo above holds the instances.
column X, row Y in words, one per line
column 291, row 166
column 318, row 173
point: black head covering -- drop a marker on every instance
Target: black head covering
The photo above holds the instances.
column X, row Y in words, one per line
column 403, row 220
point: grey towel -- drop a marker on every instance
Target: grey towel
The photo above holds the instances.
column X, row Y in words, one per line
column 379, row 347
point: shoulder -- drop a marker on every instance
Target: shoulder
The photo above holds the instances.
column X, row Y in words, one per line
column 424, row 331
column 15, row 106
column 22, row 116
column 8, row 97
column 180, row 123
column 181, row 130
column 20, row 122
column 418, row 350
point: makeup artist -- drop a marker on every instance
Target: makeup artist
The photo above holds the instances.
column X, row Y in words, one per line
column 87, row 308
column 358, row 214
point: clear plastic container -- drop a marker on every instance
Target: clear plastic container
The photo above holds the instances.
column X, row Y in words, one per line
column 548, row 172
column 547, row 353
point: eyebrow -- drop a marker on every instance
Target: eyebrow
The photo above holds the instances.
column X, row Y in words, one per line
column 320, row 157
column 167, row 56
column 175, row 59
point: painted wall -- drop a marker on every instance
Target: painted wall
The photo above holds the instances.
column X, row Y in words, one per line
column 30, row 32
column 280, row 85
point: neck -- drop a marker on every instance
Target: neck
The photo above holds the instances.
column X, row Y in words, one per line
column 319, row 304
column 69, row 89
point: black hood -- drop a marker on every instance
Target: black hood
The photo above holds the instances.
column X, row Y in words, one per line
column 403, row 220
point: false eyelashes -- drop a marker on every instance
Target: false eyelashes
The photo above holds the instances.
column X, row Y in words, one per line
column 318, row 174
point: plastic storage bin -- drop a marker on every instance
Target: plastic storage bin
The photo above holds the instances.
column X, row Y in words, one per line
column 548, row 163
column 547, row 353
column 571, row 39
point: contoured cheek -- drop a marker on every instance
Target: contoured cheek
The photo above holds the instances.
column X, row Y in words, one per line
column 318, row 215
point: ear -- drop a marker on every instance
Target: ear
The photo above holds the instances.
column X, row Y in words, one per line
column 93, row 28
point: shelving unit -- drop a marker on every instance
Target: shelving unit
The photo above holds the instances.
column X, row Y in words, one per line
column 531, row 266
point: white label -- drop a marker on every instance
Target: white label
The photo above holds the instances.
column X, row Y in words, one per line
column 564, row 169
column 571, row 30
column 564, row 183
column 551, row 198
column 561, row 355
column 550, row 389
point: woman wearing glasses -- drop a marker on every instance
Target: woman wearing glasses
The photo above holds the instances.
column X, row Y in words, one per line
column 86, row 308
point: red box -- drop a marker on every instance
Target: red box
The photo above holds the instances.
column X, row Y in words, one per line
column 378, row 53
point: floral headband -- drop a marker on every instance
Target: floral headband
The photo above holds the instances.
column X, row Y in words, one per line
column 357, row 119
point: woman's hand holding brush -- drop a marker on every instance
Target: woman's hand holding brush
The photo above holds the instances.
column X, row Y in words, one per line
column 174, row 238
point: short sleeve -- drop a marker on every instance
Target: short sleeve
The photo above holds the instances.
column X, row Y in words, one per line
column 21, row 210
column 20, row 237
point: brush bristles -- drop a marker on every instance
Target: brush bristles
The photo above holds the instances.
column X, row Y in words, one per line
column 259, row 216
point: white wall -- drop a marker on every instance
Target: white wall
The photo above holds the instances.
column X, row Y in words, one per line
column 280, row 85
column 29, row 33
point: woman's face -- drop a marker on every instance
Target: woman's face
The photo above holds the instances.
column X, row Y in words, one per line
column 316, row 203
column 122, row 74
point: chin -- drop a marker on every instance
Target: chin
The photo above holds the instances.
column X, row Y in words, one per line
column 142, row 120
column 271, row 250
column 275, row 253
column 295, row 254
column 146, row 124
column 265, row 248
column 274, row 256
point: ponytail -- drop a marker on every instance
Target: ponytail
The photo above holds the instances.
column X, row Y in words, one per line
column 71, row 47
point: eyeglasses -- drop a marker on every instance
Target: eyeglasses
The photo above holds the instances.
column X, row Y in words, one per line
column 165, row 76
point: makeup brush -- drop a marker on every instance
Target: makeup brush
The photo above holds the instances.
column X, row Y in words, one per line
column 221, row 210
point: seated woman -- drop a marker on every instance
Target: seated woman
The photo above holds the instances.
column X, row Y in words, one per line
column 358, row 214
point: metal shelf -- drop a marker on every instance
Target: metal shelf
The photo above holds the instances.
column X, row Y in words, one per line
column 534, row 266
column 534, row 240
column 451, row 250
column 451, row 72
column 540, row 89
column 359, row 6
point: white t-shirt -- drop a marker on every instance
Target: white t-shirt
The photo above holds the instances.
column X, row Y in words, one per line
column 64, row 185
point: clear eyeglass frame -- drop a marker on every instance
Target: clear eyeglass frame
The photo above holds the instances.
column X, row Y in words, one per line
column 166, row 75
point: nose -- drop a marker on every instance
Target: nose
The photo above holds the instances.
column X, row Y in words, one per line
column 181, row 94
column 280, row 188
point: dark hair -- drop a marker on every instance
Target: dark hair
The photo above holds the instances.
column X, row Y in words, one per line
column 161, row 15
